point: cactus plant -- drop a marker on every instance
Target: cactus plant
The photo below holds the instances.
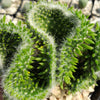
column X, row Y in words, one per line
column 75, row 57
column 30, row 62
column 73, row 35
column 6, row 3
column 82, row 3
column 53, row 19
column 75, row 52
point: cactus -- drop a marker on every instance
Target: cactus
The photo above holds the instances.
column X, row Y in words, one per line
column 95, row 51
column 76, row 69
column 6, row 3
column 74, row 38
column 82, row 3
column 30, row 62
column 53, row 19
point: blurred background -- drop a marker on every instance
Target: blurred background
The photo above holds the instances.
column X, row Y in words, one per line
column 16, row 9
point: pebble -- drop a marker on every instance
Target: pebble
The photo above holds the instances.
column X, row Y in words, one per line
column 15, row 21
column 53, row 98
column 10, row 11
column 56, row 91
column 69, row 97
column 19, row 15
column 8, row 18
column 77, row 96
column 98, row 10
column 13, row 0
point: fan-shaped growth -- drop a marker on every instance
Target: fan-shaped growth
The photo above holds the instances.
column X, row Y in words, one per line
column 72, row 31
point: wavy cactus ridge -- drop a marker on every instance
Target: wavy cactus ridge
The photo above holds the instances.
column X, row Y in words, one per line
column 35, row 59
column 49, row 42
column 53, row 19
column 95, row 52
column 76, row 68
column 18, row 82
column 72, row 32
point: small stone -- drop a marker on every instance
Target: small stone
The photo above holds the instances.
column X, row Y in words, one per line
column 8, row 18
column 6, row 3
column 10, row 11
column 13, row 0
column 77, row 96
column 82, row 3
column 91, row 89
column 56, row 91
column 2, row 11
column 26, row 6
column 14, row 5
column 85, row 94
column 69, row 97
column 52, row 98
column 15, row 21
column 19, row 15
column 98, row 10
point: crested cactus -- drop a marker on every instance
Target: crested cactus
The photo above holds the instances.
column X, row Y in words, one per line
column 89, row 64
column 74, row 38
column 75, row 57
column 96, row 54
column 54, row 19
column 30, row 63
column 30, row 60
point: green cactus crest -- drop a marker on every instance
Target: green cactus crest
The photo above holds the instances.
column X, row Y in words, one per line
column 58, row 46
